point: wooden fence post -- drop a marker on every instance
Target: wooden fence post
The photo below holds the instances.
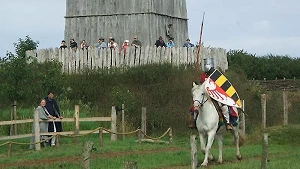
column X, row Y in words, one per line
column 243, row 121
column 113, row 124
column 86, row 154
column 13, row 116
column 123, row 121
column 9, row 149
column 285, row 108
column 101, row 137
column 140, row 136
column 76, row 121
column 264, row 109
column 264, row 159
column 170, row 137
column 194, row 156
column 57, row 141
column 144, row 121
column 130, row 165
column 37, row 130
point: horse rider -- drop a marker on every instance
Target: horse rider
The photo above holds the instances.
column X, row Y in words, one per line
column 221, row 108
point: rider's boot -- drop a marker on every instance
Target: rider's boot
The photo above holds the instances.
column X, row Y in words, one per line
column 225, row 112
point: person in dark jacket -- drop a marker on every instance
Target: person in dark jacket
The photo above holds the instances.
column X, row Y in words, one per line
column 160, row 42
column 73, row 44
column 53, row 109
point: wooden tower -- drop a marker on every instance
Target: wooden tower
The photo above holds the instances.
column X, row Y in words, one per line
column 123, row 19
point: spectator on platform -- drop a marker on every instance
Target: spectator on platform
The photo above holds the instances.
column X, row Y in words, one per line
column 188, row 44
column 136, row 42
column 100, row 44
column 83, row 45
column 170, row 43
column 125, row 45
column 112, row 44
column 160, row 42
column 63, row 45
column 73, row 44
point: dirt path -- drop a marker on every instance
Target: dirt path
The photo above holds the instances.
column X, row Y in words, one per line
column 43, row 161
column 76, row 159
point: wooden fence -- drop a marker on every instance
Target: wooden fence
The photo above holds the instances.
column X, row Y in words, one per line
column 77, row 133
column 75, row 120
column 280, row 108
column 94, row 58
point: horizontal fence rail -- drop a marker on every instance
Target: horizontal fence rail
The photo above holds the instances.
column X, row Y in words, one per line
column 97, row 58
column 76, row 133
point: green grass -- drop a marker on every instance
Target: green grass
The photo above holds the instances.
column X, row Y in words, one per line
column 282, row 154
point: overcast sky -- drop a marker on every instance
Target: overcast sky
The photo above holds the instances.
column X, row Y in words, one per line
column 259, row 27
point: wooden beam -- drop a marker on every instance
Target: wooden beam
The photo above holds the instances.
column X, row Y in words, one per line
column 62, row 120
column 50, row 133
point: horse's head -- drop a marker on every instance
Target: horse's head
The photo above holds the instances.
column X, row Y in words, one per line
column 199, row 96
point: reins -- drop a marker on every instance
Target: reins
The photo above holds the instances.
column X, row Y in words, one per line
column 202, row 102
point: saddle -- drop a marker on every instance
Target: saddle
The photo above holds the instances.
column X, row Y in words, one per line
column 232, row 121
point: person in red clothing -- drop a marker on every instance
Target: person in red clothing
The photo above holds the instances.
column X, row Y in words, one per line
column 203, row 76
column 225, row 109
column 208, row 69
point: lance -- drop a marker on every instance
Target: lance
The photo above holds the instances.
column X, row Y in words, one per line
column 199, row 47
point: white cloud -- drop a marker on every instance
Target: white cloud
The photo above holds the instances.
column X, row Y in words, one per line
column 261, row 25
column 268, row 26
column 261, row 45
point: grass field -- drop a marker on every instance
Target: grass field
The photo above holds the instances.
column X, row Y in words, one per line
column 284, row 152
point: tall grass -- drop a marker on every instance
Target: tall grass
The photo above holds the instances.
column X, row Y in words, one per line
column 163, row 89
column 282, row 153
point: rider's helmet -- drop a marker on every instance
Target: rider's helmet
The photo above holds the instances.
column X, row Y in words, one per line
column 208, row 64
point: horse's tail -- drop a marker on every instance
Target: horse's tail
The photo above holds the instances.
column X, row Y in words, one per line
column 241, row 134
column 242, row 137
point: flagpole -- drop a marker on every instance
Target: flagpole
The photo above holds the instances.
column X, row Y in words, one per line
column 199, row 47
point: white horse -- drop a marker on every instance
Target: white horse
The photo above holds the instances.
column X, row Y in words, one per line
column 207, row 124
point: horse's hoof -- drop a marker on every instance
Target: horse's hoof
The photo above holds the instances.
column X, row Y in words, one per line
column 211, row 158
column 203, row 165
column 239, row 157
column 220, row 160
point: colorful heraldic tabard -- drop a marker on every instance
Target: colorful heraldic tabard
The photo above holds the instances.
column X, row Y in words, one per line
column 220, row 89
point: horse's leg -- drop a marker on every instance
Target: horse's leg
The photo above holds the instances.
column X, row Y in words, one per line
column 202, row 142
column 210, row 140
column 220, row 144
column 235, row 133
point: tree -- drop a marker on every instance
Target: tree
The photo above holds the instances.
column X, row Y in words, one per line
column 23, row 45
column 269, row 66
column 14, row 69
column 26, row 81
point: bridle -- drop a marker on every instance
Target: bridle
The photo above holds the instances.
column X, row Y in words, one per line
column 202, row 101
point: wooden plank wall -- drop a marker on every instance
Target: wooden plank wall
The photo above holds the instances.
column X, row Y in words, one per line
column 93, row 58
column 91, row 19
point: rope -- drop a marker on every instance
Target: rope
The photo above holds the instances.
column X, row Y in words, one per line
column 157, row 138
column 21, row 143
column 80, row 135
